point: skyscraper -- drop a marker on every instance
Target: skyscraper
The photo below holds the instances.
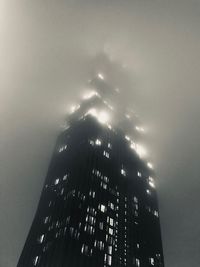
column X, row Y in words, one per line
column 98, row 206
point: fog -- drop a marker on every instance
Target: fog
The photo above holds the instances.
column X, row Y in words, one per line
column 48, row 51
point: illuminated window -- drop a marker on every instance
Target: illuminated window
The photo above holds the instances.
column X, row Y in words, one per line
column 137, row 261
column 97, row 142
column 56, row 181
column 106, row 154
column 91, row 142
column 151, row 182
column 85, row 250
column 139, row 174
column 148, row 192
column 62, row 148
column 156, row 213
column 101, row 225
column 111, row 222
column 46, row 220
column 123, row 172
column 104, row 185
column 110, row 231
column 102, row 208
column 108, row 259
column 151, row 261
column 109, row 145
column 41, row 238
column 110, row 250
column 36, row 260
column 65, row 177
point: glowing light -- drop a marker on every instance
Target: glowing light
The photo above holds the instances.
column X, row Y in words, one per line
column 151, row 182
column 103, row 117
column 109, row 126
column 92, row 112
column 140, row 150
column 90, row 95
column 128, row 116
column 100, row 76
column 150, row 165
column 139, row 129
column 133, row 145
column 127, row 137
column 74, row 108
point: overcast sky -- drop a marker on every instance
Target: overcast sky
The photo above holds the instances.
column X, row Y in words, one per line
column 46, row 56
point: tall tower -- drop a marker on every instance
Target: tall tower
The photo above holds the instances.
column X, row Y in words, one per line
column 98, row 207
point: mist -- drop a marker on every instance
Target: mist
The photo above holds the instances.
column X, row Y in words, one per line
column 48, row 52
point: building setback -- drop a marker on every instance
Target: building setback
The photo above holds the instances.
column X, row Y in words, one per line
column 98, row 206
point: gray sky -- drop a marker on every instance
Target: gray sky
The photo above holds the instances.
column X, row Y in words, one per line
column 46, row 51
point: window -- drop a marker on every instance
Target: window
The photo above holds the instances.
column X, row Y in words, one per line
column 123, row 172
column 65, row 177
column 109, row 145
column 41, row 238
column 110, row 250
column 101, row 225
column 56, row 181
column 151, row 182
column 99, row 244
column 137, row 261
column 110, row 231
column 155, row 213
column 91, row 142
column 108, row 259
column 46, row 219
column 97, row 142
column 151, row 260
column 106, row 154
column 139, row 174
column 104, row 185
column 86, row 251
column 102, row 208
column 35, row 260
column 64, row 147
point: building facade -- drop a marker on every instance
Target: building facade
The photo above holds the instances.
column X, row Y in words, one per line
column 98, row 206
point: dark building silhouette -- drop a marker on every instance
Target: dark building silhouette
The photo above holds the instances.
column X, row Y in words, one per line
column 98, row 206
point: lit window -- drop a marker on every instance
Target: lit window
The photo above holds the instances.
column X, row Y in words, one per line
column 156, row 213
column 97, row 142
column 91, row 142
column 127, row 137
column 137, row 261
column 123, row 172
column 111, row 221
column 65, row 177
column 104, row 185
column 110, row 250
column 100, row 76
column 150, row 165
column 106, row 154
column 148, row 192
column 139, row 174
column 151, row 182
column 101, row 225
column 110, row 231
column 109, row 145
column 84, row 249
column 151, row 261
column 41, row 238
column 62, row 148
column 36, row 260
column 102, row 208
column 56, row 181
column 138, row 245
column 46, row 219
